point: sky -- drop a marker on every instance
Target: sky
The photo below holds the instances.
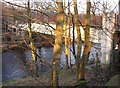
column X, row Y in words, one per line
column 81, row 4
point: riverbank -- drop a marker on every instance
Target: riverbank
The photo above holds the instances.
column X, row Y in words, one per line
column 19, row 57
column 68, row 78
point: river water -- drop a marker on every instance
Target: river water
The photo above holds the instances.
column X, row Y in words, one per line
column 11, row 65
column 13, row 68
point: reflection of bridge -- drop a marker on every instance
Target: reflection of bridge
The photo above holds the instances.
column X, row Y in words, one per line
column 41, row 39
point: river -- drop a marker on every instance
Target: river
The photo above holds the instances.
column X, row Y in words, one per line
column 13, row 68
column 11, row 65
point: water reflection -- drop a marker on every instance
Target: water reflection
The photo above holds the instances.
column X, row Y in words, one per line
column 47, row 54
column 11, row 61
column 11, row 64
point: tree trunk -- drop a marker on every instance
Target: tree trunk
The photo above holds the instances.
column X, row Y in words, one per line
column 69, row 39
column 87, row 32
column 65, row 35
column 87, row 43
column 57, row 45
column 79, row 41
column 73, row 42
column 32, row 46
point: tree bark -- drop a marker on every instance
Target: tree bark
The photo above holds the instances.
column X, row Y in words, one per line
column 65, row 36
column 79, row 41
column 57, row 45
column 32, row 46
column 73, row 42
column 87, row 43
column 69, row 38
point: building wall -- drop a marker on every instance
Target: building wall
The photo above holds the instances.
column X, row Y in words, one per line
column 106, row 37
column 95, row 33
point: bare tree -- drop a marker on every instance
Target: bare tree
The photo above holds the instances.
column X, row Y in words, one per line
column 79, row 41
column 57, row 45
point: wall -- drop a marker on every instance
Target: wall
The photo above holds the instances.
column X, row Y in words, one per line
column 106, row 37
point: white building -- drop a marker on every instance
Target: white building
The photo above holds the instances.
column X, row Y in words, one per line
column 106, row 36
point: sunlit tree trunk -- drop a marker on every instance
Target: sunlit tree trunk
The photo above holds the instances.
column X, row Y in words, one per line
column 57, row 45
column 79, row 42
column 32, row 46
column 87, row 43
column 65, row 35
column 87, row 32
